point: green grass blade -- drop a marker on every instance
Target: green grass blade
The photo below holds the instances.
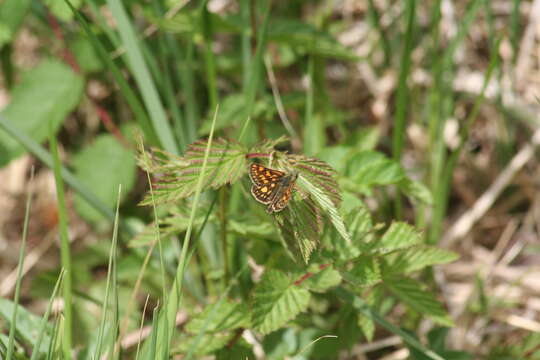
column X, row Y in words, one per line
column 209, row 57
column 11, row 341
column 126, row 90
column 65, row 252
column 142, row 77
column 168, row 314
column 364, row 308
column 254, row 75
column 403, row 90
column 44, row 319
column 111, row 277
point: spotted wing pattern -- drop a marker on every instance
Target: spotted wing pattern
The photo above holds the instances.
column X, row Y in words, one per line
column 271, row 187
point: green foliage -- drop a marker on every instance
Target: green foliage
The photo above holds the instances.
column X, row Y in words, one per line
column 103, row 165
column 27, row 326
column 40, row 101
column 276, row 300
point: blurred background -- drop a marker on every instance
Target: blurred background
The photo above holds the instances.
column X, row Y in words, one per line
column 448, row 89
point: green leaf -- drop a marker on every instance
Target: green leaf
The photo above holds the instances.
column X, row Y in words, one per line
column 323, row 280
column 43, row 99
column 366, row 271
column 398, row 236
column 62, row 10
column 12, row 13
column 370, row 168
column 300, row 226
column 227, row 316
column 276, row 300
column 103, row 165
column 179, row 175
column 28, row 325
column 412, row 293
column 417, row 258
column 86, row 55
column 416, row 190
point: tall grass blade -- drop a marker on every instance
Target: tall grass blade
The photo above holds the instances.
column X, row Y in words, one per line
column 11, row 340
column 142, row 77
column 65, row 252
column 44, row 319
column 167, row 318
column 111, row 278
column 402, row 97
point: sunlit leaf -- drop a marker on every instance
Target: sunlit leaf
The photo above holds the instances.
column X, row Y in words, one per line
column 276, row 300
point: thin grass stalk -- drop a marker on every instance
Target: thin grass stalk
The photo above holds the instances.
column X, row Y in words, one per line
column 174, row 298
column 402, row 96
column 254, row 75
column 110, row 273
column 374, row 18
column 141, row 327
column 442, row 108
column 245, row 14
column 44, row 319
column 209, row 56
column 448, row 172
column 11, row 339
column 65, row 252
column 143, row 78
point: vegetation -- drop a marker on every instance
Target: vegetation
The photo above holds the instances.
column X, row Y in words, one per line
column 128, row 132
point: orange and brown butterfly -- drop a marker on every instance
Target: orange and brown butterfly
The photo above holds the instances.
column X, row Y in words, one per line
column 272, row 187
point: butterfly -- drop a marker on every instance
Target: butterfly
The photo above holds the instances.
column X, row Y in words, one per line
column 271, row 187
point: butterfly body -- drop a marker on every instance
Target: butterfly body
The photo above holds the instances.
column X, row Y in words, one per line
column 271, row 187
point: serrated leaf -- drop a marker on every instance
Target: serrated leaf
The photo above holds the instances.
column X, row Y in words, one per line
column 416, row 190
column 412, row 293
column 318, row 173
column 370, row 168
column 417, row 258
column 28, row 325
column 398, row 236
column 365, row 271
column 103, row 165
column 40, row 102
column 250, row 230
column 367, row 324
column 225, row 316
column 179, row 175
column 326, row 204
column 300, row 225
column 276, row 300
column 323, row 280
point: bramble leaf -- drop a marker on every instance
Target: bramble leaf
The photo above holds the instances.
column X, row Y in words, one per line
column 300, row 226
column 398, row 236
column 179, row 175
column 416, row 258
column 277, row 300
column 412, row 293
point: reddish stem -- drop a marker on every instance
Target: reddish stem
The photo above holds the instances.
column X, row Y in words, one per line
column 309, row 274
column 257, row 155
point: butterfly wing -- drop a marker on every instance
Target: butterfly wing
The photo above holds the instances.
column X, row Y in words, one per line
column 281, row 200
column 264, row 193
column 261, row 175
